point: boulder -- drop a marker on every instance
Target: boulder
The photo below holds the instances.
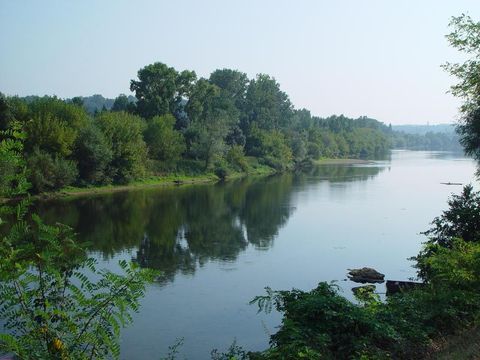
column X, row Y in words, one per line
column 365, row 275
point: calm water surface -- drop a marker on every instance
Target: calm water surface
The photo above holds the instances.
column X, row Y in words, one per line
column 219, row 245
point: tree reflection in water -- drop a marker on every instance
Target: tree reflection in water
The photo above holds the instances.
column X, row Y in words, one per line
column 180, row 229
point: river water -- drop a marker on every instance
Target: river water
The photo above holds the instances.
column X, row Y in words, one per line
column 218, row 246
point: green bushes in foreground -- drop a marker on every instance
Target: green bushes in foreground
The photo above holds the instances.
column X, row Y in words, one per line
column 322, row 324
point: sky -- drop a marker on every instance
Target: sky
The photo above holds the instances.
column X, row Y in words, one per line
column 353, row 57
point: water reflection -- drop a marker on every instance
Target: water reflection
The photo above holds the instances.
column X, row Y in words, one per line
column 177, row 230
column 347, row 173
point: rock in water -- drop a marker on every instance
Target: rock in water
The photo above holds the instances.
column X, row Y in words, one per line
column 364, row 288
column 365, row 275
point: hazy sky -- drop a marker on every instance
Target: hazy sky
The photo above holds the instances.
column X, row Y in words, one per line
column 356, row 57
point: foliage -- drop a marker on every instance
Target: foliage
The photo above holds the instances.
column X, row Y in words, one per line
column 460, row 220
column 465, row 37
column 206, row 143
column 272, row 147
column 94, row 104
column 12, row 165
column 236, row 158
column 160, row 88
column 428, row 141
column 49, row 173
column 51, row 308
column 123, row 133
column 123, row 103
column 323, row 324
column 52, row 125
column 267, row 106
column 181, row 122
column 221, row 170
column 234, row 352
column 164, row 142
column 469, row 130
column 457, row 267
column 233, row 84
column 93, row 154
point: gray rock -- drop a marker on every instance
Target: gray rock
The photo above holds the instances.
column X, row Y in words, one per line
column 365, row 275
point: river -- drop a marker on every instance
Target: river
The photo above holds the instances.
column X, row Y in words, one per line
column 219, row 245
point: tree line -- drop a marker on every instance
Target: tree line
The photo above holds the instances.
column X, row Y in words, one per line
column 428, row 141
column 178, row 123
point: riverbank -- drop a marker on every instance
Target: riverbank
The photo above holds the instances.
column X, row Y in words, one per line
column 180, row 180
column 156, row 181
column 342, row 162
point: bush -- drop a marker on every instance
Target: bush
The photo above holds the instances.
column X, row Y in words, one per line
column 323, row 324
column 48, row 173
column 164, row 142
column 93, row 155
column 460, row 220
column 236, row 158
column 123, row 133
column 221, row 170
column 51, row 308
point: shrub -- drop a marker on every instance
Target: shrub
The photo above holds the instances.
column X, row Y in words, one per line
column 323, row 324
column 51, row 308
column 50, row 173
column 236, row 158
column 93, row 155
column 123, row 133
column 221, row 170
column 460, row 220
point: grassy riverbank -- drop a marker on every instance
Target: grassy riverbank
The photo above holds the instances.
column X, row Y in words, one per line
column 156, row 181
column 341, row 161
column 177, row 179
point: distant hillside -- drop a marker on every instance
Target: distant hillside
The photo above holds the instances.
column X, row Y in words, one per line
column 426, row 137
column 423, row 129
column 90, row 103
column 98, row 102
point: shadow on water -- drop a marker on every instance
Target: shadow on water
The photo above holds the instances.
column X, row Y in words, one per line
column 177, row 230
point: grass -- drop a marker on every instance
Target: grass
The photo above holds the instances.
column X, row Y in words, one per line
column 152, row 181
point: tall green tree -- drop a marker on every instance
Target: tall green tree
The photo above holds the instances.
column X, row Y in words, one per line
column 122, row 103
column 233, row 84
column 268, row 106
column 160, row 88
column 212, row 115
column 465, row 37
